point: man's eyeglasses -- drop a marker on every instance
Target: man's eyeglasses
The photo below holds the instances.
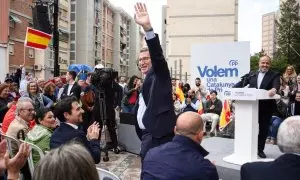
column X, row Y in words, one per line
column 29, row 110
column 144, row 59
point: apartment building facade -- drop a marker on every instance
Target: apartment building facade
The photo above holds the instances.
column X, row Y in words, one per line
column 4, row 13
column 20, row 17
column 269, row 31
column 101, row 33
column 44, row 64
column 196, row 21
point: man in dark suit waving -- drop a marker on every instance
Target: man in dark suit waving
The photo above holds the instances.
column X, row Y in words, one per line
column 155, row 111
column 269, row 80
column 287, row 166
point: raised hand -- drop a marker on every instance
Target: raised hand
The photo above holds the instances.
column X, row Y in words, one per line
column 142, row 17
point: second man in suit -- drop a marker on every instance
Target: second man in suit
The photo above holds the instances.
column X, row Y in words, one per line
column 71, row 88
column 269, row 80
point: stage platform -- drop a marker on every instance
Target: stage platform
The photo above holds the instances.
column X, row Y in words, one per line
column 219, row 148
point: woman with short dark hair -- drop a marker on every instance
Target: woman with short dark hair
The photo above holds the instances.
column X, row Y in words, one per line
column 41, row 133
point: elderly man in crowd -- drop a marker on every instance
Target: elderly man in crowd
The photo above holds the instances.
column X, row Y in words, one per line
column 183, row 157
column 286, row 166
column 19, row 127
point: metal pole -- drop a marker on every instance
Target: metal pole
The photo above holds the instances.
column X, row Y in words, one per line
column 175, row 64
column 171, row 72
column 56, row 39
column 180, row 69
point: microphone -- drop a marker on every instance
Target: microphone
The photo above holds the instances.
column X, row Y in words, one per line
column 247, row 77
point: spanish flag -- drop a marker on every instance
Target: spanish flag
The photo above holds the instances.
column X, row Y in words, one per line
column 200, row 108
column 37, row 39
column 179, row 93
column 225, row 115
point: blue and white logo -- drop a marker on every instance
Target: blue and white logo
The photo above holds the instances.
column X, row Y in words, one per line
column 215, row 71
column 233, row 62
column 227, row 93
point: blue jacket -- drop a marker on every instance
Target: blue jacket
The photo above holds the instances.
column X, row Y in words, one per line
column 180, row 159
column 159, row 118
column 65, row 133
column 286, row 166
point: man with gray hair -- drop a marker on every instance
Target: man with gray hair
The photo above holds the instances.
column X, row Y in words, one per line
column 286, row 166
column 19, row 127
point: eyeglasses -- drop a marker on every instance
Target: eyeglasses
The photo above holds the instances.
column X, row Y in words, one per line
column 29, row 110
column 144, row 59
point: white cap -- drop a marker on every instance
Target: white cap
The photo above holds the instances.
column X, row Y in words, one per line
column 99, row 66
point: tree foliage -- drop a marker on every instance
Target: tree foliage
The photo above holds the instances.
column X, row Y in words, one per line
column 288, row 33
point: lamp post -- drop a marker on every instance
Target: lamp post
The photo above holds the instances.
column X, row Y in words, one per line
column 56, row 39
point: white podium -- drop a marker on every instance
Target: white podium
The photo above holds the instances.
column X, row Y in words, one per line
column 246, row 123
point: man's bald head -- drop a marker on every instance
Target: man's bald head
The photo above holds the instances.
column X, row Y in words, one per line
column 189, row 123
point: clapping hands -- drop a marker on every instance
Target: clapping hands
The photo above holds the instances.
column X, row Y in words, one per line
column 93, row 131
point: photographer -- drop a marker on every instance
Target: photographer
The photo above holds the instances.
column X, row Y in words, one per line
column 105, row 101
column 131, row 92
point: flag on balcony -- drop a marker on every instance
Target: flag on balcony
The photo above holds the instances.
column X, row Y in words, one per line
column 37, row 39
column 225, row 115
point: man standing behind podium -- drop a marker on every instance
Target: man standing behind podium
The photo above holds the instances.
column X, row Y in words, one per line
column 269, row 80
column 155, row 111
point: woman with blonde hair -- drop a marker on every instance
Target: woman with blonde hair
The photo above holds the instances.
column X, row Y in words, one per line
column 39, row 100
column 290, row 75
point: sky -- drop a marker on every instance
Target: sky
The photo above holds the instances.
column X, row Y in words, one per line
column 250, row 17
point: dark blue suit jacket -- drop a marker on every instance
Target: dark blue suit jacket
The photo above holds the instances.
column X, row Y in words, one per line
column 270, row 80
column 286, row 167
column 65, row 133
column 159, row 118
column 180, row 159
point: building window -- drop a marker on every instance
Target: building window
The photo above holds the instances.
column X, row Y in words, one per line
column 72, row 46
column 73, row 16
column 31, row 53
column 11, row 49
column 73, row 7
column 72, row 36
column 72, row 55
column 72, row 27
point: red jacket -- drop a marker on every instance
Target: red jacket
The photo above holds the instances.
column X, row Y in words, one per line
column 8, row 118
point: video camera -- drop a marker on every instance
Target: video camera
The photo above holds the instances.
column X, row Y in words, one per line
column 103, row 77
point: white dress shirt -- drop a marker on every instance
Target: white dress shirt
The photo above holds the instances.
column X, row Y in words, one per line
column 70, row 88
column 141, row 111
column 260, row 77
column 72, row 125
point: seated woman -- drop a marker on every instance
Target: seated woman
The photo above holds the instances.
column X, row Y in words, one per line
column 39, row 100
column 42, row 131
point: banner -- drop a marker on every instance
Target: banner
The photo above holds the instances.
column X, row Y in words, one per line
column 220, row 65
column 37, row 39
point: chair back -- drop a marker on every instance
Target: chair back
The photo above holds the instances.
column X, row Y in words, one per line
column 106, row 175
column 11, row 142
column 30, row 159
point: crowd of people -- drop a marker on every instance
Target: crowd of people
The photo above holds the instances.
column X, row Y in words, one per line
column 172, row 120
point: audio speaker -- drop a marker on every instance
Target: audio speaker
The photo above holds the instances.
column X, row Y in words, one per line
column 40, row 17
